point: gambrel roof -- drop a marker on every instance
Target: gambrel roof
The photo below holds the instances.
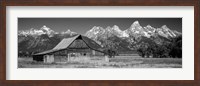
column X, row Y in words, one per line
column 66, row 42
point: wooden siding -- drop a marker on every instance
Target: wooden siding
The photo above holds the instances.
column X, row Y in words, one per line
column 60, row 58
column 78, row 43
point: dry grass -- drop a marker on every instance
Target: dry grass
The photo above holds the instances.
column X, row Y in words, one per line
column 117, row 62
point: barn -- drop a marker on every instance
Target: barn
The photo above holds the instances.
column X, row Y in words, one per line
column 77, row 48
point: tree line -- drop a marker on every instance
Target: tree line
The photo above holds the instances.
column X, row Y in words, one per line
column 167, row 49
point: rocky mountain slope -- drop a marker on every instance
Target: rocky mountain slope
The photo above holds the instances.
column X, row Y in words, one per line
column 37, row 40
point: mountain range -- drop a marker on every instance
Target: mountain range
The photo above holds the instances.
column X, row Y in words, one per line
column 37, row 40
column 134, row 30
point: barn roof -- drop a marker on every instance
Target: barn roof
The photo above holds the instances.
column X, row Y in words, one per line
column 65, row 43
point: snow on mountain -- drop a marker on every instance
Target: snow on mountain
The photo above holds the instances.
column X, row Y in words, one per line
column 95, row 31
column 116, row 28
column 69, row 32
column 108, row 31
column 35, row 32
column 117, row 31
column 43, row 30
column 133, row 34
column 149, row 29
column 46, row 30
column 124, row 34
column 136, row 25
column 177, row 33
column 136, row 30
column 165, row 32
column 44, row 38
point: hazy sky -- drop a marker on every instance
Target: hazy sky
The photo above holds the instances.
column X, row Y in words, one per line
column 81, row 25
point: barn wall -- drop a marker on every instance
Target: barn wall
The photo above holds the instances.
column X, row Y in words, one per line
column 79, row 59
column 58, row 58
column 48, row 58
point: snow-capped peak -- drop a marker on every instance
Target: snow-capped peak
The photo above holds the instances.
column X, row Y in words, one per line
column 43, row 30
column 47, row 30
column 177, row 33
column 69, row 32
column 96, row 30
column 166, row 32
column 114, row 30
column 149, row 29
column 137, row 30
column 149, row 26
column 115, row 27
column 164, row 27
column 135, row 24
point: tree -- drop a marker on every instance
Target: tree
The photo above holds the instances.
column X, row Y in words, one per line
column 110, row 48
column 154, row 50
column 143, row 49
column 176, row 47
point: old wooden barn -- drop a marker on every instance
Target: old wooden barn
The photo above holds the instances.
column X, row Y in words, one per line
column 71, row 49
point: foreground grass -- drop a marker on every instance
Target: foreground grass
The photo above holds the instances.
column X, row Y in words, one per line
column 117, row 62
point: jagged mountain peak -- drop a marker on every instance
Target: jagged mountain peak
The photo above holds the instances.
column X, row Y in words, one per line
column 115, row 27
column 149, row 29
column 96, row 28
column 135, row 23
column 149, row 26
column 44, row 27
column 44, row 30
column 95, row 31
column 136, row 30
column 108, row 28
column 136, row 26
column 177, row 33
column 166, row 32
column 116, row 31
column 68, row 31
column 164, row 26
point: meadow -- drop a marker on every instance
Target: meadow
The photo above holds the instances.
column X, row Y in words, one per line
column 117, row 62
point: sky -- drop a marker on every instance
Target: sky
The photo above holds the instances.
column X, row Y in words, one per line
column 82, row 25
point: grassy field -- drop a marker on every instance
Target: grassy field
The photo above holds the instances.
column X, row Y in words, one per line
column 117, row 62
